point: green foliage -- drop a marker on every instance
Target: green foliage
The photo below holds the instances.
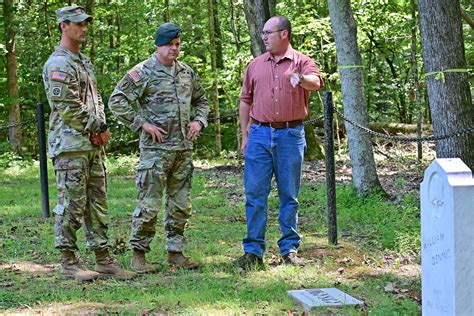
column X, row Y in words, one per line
column 372, row 220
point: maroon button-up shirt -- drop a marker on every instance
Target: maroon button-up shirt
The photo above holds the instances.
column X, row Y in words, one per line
column 267, row 89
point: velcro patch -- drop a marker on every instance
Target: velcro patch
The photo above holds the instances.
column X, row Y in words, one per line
column 58, row 75
column 56, row 91
column 134, row 75
column 125, row 85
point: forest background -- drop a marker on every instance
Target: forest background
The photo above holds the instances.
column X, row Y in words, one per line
column 122, row 35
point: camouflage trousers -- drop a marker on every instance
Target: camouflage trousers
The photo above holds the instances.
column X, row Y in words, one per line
column 82, row 201
column 160, row 171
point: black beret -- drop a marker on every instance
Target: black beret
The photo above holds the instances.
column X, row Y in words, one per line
column 166, row 33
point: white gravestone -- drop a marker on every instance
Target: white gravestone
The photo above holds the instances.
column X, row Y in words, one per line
column 327, row 297
column 447, row 239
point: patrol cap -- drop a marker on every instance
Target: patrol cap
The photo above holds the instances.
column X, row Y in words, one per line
column 72, row 13
column 165, row 33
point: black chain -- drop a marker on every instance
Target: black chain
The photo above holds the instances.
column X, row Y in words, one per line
column 321, row 117
column 19, row 124
column 405, row 139
column 313, row 120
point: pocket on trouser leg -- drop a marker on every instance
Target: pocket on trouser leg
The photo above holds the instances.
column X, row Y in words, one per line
column 70, row 170
column 144, row 222
column 58, row 230
column 60, row 241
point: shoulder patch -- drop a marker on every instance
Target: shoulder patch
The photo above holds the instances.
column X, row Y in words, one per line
column 135, row 75
column 56, row 91
column 125, row 85
column 58, row 76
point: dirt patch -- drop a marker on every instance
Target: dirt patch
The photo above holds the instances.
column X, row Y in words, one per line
column 81, row 308
column 27, row 266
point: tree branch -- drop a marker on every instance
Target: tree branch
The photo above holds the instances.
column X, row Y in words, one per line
column 467, row 19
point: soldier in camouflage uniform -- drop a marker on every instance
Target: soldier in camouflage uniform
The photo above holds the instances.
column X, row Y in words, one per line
column 77, row 133
column 172, row 110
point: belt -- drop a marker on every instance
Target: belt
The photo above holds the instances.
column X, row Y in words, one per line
column 278, row 125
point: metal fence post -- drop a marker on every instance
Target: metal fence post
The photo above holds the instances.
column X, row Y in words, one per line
column 330, row 167
column 43, row 159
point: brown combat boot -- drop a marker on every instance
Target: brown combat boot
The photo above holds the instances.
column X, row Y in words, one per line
column 71, row 268
column 109, row 268
column 178, row 260
column 139, row 263
column 292, row 259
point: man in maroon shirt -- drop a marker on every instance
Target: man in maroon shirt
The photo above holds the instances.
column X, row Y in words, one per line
column 273, row 103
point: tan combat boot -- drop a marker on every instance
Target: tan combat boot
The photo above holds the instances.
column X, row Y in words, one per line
column 71, row 268
column 178, row 260
column 139, row 263
column 109, row 268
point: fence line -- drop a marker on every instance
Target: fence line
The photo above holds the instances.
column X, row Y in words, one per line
column 329, row 144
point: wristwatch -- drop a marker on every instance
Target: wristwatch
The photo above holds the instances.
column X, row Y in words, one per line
column 300, row 78
column 103, row 127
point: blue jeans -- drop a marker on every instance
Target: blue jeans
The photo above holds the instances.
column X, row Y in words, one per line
column 271, row 152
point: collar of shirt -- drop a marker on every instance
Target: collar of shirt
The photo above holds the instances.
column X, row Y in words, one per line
column 174, row 69
column 288, row 54
column 78, row 56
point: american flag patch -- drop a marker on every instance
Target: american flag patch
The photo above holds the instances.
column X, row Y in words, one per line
column 57, row 75
column 134, row 75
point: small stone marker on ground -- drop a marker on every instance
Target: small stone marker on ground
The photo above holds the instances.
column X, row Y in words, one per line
column 447, row 238
column 329, row 297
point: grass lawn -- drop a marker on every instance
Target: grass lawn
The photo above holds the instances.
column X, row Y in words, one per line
column 377, row 260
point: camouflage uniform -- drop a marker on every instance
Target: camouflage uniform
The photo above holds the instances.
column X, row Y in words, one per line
column 165, row 98
column 76, row 111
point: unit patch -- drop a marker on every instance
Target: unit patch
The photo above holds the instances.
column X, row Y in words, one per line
column 56, row 91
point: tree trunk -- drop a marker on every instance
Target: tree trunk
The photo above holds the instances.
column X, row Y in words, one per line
column 238, row 45
column 49, row 27
column 214, row 89
column 166, row 11
column 416, row 79
column 218, row 36
column 467, row 19
column 90, row 4
column 450, row 98
column 364, row 175
column 257, row 12
column 314, row 150
column 111, row 24
column 14, row 133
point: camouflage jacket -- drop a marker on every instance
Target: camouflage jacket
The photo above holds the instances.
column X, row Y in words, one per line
column 76, row 105
column 168, row 97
